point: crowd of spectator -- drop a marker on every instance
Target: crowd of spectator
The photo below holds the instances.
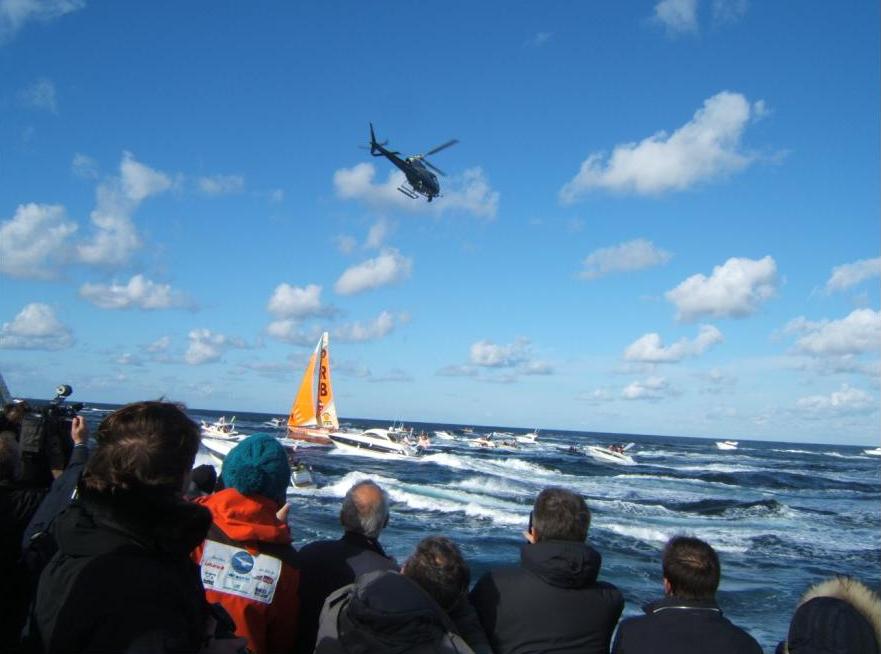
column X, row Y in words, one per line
column 133, row 550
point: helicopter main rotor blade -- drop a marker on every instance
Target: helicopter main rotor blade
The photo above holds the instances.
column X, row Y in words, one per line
column 441, row 147
column 433, row 167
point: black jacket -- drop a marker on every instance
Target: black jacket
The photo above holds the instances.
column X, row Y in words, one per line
column 384, row 612
column 328, row 565
column 551, row 602
column 17, row 504
column 679, row 626
column 122, row 579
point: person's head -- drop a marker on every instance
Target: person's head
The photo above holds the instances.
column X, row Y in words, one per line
column 258, row 466
column 10, row 459
column 143, row 447
column 13, row 414
column 203, row 479
column 438, row 567
column 365, row 509
column 559, row 514
column 837, row 615
column 691, row 568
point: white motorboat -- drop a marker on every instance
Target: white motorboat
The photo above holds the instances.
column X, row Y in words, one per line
column 374, row 441
column 726, row 445
column 531, row 437
column 220, row 428
column 301, row 476
column 220, row 447
column 611, row 454
column 444, row 435
column 276, row 423
column 484, row 442
column 874, row 452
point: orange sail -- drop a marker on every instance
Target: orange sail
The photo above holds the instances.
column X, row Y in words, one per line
column 325, row 409
column 303, row 409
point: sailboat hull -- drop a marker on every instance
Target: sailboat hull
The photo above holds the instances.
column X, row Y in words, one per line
column 310, row 435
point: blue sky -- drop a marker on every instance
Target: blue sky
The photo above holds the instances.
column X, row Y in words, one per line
column 662, row 217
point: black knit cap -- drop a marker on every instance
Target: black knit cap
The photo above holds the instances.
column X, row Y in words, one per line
column 827, row 625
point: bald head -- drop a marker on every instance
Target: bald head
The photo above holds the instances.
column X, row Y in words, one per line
column 365, row 509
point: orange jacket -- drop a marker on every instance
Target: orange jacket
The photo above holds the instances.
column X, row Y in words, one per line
column 248, row 566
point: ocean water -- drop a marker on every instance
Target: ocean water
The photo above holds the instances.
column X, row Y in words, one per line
column 781, row 516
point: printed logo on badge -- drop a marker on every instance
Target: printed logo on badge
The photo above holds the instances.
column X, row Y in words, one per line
column 242, row 562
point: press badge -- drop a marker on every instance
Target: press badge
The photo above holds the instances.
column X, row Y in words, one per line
column 233, row 570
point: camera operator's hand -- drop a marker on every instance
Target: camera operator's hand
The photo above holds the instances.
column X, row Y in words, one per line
column 79, row 430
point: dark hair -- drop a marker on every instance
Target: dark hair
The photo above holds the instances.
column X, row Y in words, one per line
column 691, row 567
column 438, row 567
column 145, row 446
column 13, row 413
column 560, row 514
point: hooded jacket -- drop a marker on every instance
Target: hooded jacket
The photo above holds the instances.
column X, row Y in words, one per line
column 328, row 565
column 249, row 567
column 551, row 602
column 122, row 580
column 837, row 616
column 682, row 626
column 384, row 612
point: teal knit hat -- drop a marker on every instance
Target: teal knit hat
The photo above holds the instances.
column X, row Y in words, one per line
column 258, row 466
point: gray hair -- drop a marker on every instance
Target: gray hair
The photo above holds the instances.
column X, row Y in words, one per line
column 365, row 509
column 10, row 458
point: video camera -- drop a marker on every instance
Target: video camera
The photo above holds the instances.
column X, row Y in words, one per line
column 45, row 436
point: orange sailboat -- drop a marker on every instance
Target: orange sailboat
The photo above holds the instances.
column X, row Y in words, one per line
column 314, row 418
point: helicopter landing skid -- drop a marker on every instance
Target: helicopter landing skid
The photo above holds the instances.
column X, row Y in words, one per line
column 409, row 192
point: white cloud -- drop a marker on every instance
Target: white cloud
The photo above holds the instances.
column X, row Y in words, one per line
column 117, row 198
column 540, row 39
column 488, row 354
column 469, row 192
column 15, row 14
column 39, row 95
column 706, row 147
column 159, row 345
column 358, row 332
column 128, row 359
column 206, row 346
column 377, row 235
column 387, row 268
column 393, row 375
column 729, row 11
column 734, row 290
column 850, row 274
column 84, row 166
column 677, row 16
column 630, row 255
column 455, row 370
column 515, row 357
column 34, row 242
column 856, row 333
column 290, row 331
column 846, row 400
column 139, row 293
column 653, row 388
column 649, row 349
column 345, row 243
column 296, row 302
column 221, row 184
column 35, row 328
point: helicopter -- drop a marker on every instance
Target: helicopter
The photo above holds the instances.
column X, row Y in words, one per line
column 420, row 180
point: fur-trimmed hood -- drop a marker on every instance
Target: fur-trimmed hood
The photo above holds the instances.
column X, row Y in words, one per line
column 805, row 629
